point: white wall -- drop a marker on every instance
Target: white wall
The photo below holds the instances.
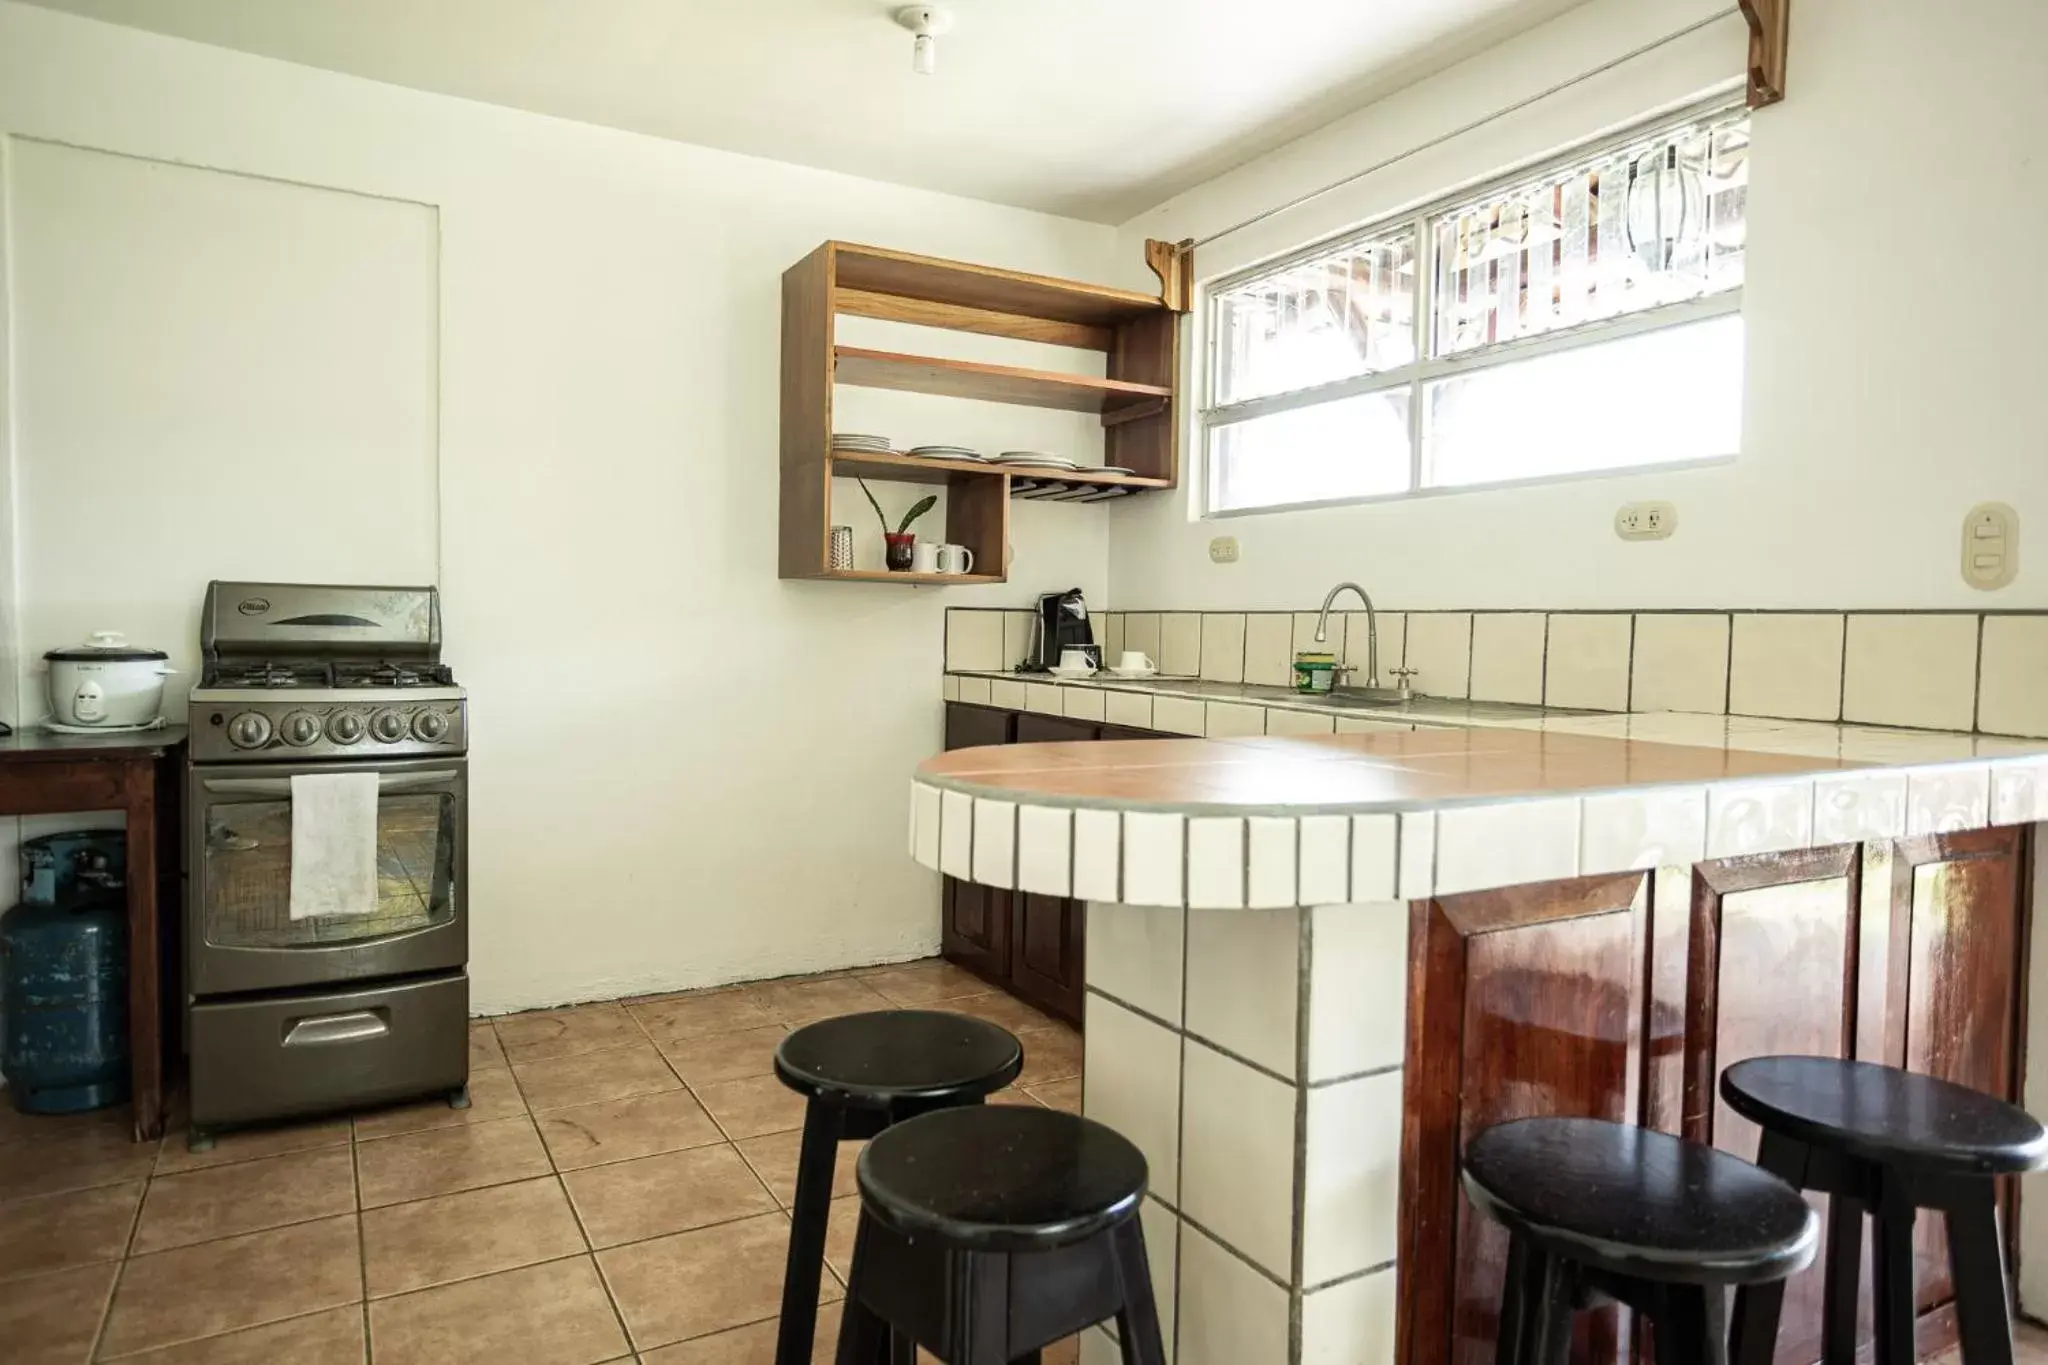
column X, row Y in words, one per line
column 1895, row 359
column 684, row 770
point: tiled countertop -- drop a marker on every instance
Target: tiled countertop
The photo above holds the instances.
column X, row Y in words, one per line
column 1380, row 803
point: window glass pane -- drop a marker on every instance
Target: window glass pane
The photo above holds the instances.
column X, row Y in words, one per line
column 1656, row 222
column 1667, row 395
column 1347, row 312
column 1349, row 448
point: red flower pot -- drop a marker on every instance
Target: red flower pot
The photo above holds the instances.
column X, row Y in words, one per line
column 897, row 551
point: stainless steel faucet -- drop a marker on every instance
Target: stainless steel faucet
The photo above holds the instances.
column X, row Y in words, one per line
column 1372, row 630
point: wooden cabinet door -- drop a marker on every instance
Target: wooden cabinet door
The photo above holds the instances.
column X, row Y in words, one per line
column 1130, row 732
column 1047, row 952
column 974, row 920
column 969, row 726
column 1033, row 728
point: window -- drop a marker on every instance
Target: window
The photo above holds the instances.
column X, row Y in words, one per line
column 1582, row 318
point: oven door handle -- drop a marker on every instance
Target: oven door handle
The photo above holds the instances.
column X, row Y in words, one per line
column 353, row 1027
column 282, row 786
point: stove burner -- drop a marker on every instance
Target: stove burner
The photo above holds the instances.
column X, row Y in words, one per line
column 265, row 673
column 393, row 675
column 301, row 673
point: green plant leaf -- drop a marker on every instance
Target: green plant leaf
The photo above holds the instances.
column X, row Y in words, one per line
column 923, row 506
column 879, row 514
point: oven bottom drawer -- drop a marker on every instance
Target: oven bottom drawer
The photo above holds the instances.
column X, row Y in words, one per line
column 303, row 1054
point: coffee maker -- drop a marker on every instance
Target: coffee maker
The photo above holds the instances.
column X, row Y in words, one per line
column 1060, row 623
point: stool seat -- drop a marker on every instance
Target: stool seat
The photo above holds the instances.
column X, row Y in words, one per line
column 887, row 1057
column 1896, row 1118
column 1001, row 1178
column 1638, row 1203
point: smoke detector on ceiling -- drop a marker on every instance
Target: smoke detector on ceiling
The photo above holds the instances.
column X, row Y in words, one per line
column 927, row 22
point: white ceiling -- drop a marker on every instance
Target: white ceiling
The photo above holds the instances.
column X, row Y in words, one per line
column 1097, row 109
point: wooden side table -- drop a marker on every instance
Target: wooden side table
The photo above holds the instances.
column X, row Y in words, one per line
column 45, row 773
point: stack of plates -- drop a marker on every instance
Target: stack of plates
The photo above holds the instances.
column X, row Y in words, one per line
column 867, row 445
column 946, row 453
column 1034, row 458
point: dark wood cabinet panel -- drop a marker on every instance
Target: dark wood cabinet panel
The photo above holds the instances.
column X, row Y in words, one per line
column 975, row 930
column 1046, row 952
column 970, row 727
column 1033, row 728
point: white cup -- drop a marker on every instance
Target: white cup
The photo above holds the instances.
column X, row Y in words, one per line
column 924, row 557
column 956, row 559
column 1075, row 659
column 1133, row 661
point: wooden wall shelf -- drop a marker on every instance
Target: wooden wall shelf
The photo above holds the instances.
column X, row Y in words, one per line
column 1138, row 400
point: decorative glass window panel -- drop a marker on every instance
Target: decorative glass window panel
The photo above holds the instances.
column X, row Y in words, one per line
column 1337, row 315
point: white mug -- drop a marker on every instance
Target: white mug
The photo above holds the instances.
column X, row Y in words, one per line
column 1076, row 659
column 1133, row 661
column 924, row 557
column 956, row 559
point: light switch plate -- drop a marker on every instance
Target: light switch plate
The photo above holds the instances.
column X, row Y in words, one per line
column 1223, row 550
column 1991, row 546
column 1646, row 521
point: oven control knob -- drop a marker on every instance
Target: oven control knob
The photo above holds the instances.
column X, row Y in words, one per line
column 345, row 727
column 249, row 730
column 300, row 728
column 388, row 726
column 429, row 726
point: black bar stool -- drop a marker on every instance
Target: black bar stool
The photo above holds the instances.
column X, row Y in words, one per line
column 988, row 1234
column 1886, row 1142
column 1599, row 1211
column 862, row 1073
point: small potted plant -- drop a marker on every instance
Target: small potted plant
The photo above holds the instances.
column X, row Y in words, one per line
column 898, row 541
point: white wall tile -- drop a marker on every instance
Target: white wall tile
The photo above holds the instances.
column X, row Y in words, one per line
column 1280, row 721
column 974, row 690
column 1007, row 693
column 1759, row 817
column 1244, row 982
column 1152, row 858
column 1375, row 866
column 1133, row 1069
column 1586, row 662
column 1305, row 634
column 1083, row 703
column 1141, row 632
column 1162, row 1253
column 1350, row 1323
column 1098, row 845
column 2013, row 695
column 1135, row 953
column 1358, row 988
column 1223, row 646
column 1946, row 800
column 1216, row 862
column 956, row 835
column 1237, row 1156
column 1353, row 1184
column 1017, row 627
column 1325, row 860
column 1098, row 1347
column 1269, row 648
column 1786, row 665
column 1440, row 652
column 1512, row 844
column 1232, row 720
column 1357, row 645
column 1127, row 708
column 1179, row 715
column 1180, row 644
column 1652, row 827
column 974, row 640
column 1916, row 670
column 995, row 842
column 1229, row 1313
column 2019, row 791
column 1044, row 698
column 1045, row 845
column 1851, row 807
column 1507, row 657
column 949, row 688
column 1112, row 635
column 1272, row 855
column 1681, row 662
column 924, row 824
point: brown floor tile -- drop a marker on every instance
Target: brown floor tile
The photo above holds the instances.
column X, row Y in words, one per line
column 810, row 999
column 16, row 1126
column 754, row 1345
column 725, row 1056
column 565, row 1033
column 619, row 1130
column 1015, row 1095
column 82, row 1159
column 247, row 1144
column 749, row 1108
column 199, row 1206
column 1063, row 1095
column 215, row 1287
column 333, row 1337
column 460, row 1236
column 774, row 1159
column 445, row 1160
column 694, row 1283
column 559, row 1082
column 493, row 1095
column 59, row 1231
column 553, row 1314
column 634, row 1200
column 699, row 1016
column 1004, row 1011
column 485, row 1051
column 1050, row 1054
column 926, row 983
column 52, row 1319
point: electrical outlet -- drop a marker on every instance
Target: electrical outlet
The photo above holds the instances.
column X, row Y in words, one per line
column 1646, row 521
column 1223, row 550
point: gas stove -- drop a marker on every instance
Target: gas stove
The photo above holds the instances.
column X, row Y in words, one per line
column 304, row 671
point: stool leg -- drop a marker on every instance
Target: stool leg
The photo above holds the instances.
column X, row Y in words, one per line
column 810, row 1210
column 1690, row 1327
column 1844, row 1281
column 1137, row 1321
column 977, row 1309
column 1891, row 1254
column 1758, row 1307
column 1977, row 1267
column 1514, row 1305
column 1547, row 1337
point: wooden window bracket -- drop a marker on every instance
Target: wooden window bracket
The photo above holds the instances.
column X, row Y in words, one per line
column 1769, row 23
column 1174, row 264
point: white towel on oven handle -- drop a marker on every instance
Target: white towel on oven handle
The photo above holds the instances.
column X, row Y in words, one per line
column 334, row 844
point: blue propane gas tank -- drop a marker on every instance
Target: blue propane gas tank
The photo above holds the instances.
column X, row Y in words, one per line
column 64, row 1007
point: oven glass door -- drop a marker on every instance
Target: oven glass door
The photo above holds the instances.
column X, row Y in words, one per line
column 241, row 862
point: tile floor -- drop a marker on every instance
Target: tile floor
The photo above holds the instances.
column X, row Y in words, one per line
column 615, row 1192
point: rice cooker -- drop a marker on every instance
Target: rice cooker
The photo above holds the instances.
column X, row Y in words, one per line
column 106, row 683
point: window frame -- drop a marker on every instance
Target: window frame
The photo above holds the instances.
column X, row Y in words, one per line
column 1419, row 374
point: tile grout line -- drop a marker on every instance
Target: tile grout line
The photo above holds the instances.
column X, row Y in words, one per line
column 355, row 1176
column 99, row 1335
